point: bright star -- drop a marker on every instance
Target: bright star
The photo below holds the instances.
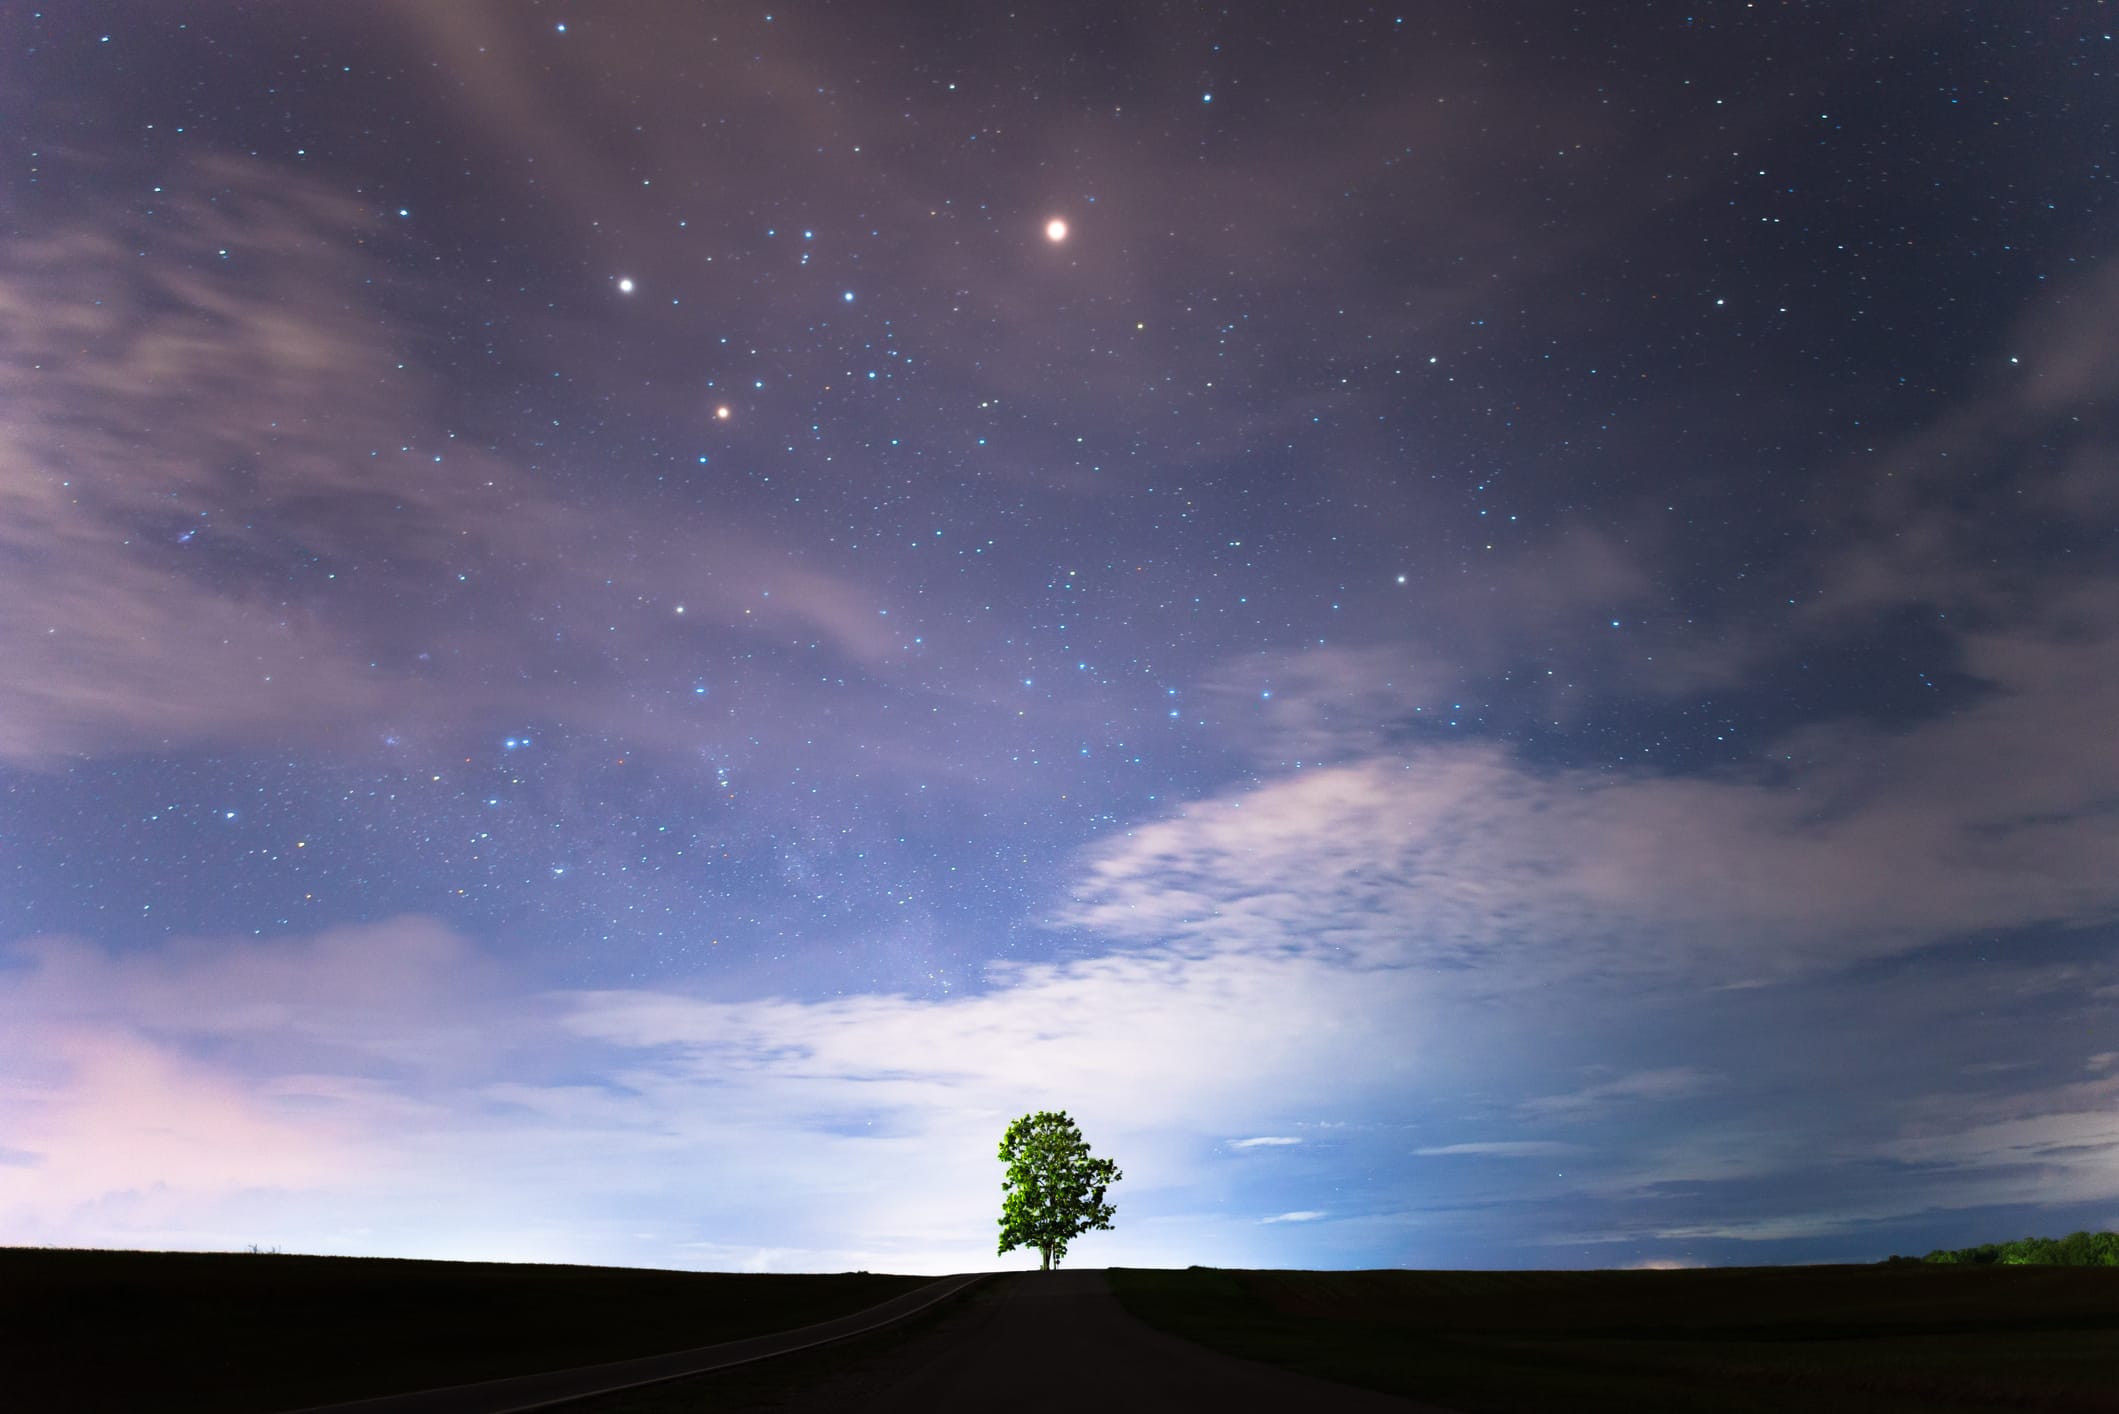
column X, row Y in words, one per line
column 721, row 414
column 1055, row 230
column 625, row 285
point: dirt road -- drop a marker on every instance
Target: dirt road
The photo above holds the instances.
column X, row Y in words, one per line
column 1059, row 1341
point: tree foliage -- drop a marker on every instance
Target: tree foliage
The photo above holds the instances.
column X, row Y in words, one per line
column 2077, row 1249
column 1053, row 1191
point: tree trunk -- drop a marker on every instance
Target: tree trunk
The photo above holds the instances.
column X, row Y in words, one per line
column 1046, row 1254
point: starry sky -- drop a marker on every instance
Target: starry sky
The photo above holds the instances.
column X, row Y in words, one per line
column 1484, row 635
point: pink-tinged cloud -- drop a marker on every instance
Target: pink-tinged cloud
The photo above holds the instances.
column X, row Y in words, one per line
column 360, row 1090
column 390, row 1089
column 134, row 1134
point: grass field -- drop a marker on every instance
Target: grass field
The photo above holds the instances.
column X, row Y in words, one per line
column 241, row 1334
column 1879, row 1339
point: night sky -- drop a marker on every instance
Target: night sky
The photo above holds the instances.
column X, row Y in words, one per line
column 1482, row 634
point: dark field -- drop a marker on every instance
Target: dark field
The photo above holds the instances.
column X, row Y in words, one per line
column 195, row 1332
column 177, row 1331
column 841, row 1375
column 1897, row 1338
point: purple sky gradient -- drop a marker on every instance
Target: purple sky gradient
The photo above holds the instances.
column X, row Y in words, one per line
column 1505, row 658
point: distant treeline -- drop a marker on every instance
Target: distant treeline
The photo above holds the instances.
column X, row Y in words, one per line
column 2077, row 1249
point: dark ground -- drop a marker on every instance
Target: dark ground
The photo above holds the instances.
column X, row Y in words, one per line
column 91, row 1331
column 1880, row 1340
column 82, row 1332
column 1875, row 1339
column 1029, row 1343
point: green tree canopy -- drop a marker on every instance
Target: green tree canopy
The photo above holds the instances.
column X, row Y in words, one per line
column 1053, row 1191
column 2077, row 1249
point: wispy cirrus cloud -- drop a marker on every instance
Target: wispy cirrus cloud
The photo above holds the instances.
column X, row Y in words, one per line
column 1647, row 1086
column 2051, row 1144
column 240, row 507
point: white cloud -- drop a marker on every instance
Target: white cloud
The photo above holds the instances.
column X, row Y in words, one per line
column 1321, row 944
column 1301, row 1215
column 1670, row 1083
column 1778, row 1228
column 1465, row 858
column 1321, row 705
column 361, row 1090
column 2056, row 1145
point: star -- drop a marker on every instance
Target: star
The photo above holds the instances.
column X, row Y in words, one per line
column 364, row 413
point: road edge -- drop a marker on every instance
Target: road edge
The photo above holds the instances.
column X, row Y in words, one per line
column 517, row 1394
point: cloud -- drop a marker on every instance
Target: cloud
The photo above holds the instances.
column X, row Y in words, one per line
column 1321, row 705
column 1975, row 519
column 1779, row 1228
column 1839, row 843
column 163, row 1090
column 1156, row 1055
column 171, row 410
column 359, row 1090
column 138, row 1118
column 375, row 988
column 1651, row 1086
column 2057, row 1144
column 242, row 507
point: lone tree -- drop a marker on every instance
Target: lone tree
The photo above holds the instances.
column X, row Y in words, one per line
column 1053, row 1191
